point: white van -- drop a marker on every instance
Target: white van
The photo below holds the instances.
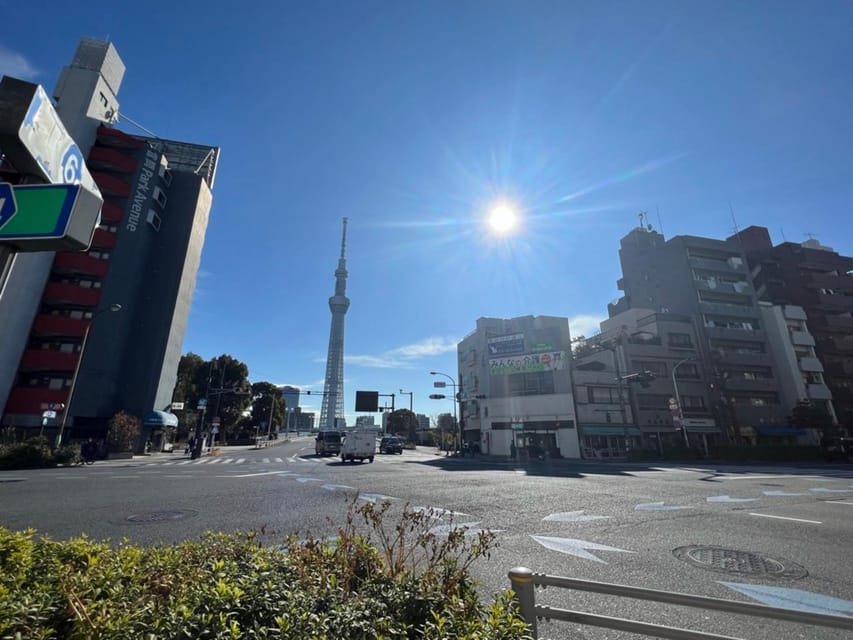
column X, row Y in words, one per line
column 358, row 445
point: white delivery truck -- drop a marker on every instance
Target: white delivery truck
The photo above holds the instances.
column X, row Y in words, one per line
column 358, row 445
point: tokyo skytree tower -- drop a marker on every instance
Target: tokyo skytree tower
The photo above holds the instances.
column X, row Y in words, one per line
column 333, row 398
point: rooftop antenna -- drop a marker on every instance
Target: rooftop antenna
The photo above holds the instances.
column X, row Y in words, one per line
column 660, row 223
column 642, row 216
column 810, row 236
column 734, row 222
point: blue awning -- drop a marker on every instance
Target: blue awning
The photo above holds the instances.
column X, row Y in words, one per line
column 779, row 431
column 160, row 419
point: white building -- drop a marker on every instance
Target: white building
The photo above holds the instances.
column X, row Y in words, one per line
column 516, row 387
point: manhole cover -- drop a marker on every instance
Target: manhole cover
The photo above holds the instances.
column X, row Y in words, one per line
column 160, row 516
column 737, row 562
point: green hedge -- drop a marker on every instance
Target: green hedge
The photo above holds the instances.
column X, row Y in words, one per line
column 36, row 454
column 401, row 583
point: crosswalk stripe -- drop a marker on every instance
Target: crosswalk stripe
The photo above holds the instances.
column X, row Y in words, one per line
column 185, row 462
column 279, row 460
column 240, row 461
column 227, row 460
column 213, row 460
column 200, row 461
column 266, row 460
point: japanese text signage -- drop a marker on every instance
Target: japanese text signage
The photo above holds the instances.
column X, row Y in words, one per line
column 552, row 361
column 506, row 345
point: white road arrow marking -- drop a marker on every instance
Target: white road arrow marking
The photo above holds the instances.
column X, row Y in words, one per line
column 783, row 493
column 471, row 529
column 659, row 506
column 252, row 475
column 729, row 499
column 438, row 512
column 304, row 480
column 579, row 548
column 796, row 599
column 825, row 490
column 336, row 487
column 572, row 516
column 374, row 497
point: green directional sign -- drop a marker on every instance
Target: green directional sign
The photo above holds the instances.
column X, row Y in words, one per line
column 50, row 217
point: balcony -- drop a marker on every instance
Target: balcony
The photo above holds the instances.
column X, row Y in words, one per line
column 836, row 301
column 827, row 281
column 33, row 400
column 64, row 293
column 728, row 333
column 111, row 212
column 793, row 312
column 106, row 159
column 839, row 322
column 723, row 309
column 750, row 358
column 742, row 288
column 818, row 392
column 110, row 185
column 47, row 325
column 118, row 139
column 67, row 262
column 811, row 364
column 737, row 383
column 723, row 265
column 802, row 338
column 48, row 360
column 103, row 239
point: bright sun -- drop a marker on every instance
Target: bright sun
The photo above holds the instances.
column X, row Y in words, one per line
column 503, row 219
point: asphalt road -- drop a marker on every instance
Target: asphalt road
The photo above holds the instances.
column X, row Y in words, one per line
column 780, row 536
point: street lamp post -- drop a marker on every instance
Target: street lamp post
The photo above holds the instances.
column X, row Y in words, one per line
column 612, row 348
column 411, row 395
column 111, row 308
column 678, row 400
column 457, row 397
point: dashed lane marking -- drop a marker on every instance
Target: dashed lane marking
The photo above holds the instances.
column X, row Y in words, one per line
column 767, row 515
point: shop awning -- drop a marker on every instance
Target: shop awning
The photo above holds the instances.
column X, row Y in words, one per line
column 160, row 419
column 779, row 430
column 608, row 430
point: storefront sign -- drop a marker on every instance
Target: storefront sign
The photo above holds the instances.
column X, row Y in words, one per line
column 551, row 361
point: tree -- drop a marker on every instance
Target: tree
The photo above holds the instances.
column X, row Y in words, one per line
column 812, row 416
column 206, row 379
column 403, row 423
column 265, row 395
column 122, row 432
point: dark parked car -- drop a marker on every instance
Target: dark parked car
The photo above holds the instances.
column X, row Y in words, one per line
column 391, row 444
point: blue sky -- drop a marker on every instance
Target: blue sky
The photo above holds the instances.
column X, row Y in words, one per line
column 411, row 118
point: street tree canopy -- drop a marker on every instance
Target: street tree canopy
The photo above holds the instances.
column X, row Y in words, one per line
column 266, row 395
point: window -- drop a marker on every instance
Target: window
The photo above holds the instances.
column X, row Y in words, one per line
column 530, row 384
column 653, row 401
column 692, row 403
column 165, row 175
column 657, row 367
column 680, row 340
column 604, row 395
column 153, row 219
column 687, row 371
column 160, row 197
column 756, row 399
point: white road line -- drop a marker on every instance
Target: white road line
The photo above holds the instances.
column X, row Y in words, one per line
column 279, row 460
column 252, row 475
column 266, row 460
column 240, row 460
column 850, row 504
column 214, row 460
column 185, row 462
column 764, row 515
column 227, row 460
column 122, row 477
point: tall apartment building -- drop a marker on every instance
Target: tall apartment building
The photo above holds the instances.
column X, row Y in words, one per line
column 800, row 371
column 819, row 280
column 85, row 97
column 709, row 281
column 516, row 386
column 144, row 257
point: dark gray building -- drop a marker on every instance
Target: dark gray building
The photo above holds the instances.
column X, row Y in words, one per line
column 144, row 257
column 709, row 281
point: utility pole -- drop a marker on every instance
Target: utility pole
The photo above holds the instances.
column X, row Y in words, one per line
column 411, row 395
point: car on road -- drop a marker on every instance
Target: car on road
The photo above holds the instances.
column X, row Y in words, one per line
column 391, row 444
column 327, row 443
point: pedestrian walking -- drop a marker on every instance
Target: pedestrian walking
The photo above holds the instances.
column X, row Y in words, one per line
column 512, row 451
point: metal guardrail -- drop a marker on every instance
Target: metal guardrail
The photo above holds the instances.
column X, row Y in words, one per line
column 524, row 581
